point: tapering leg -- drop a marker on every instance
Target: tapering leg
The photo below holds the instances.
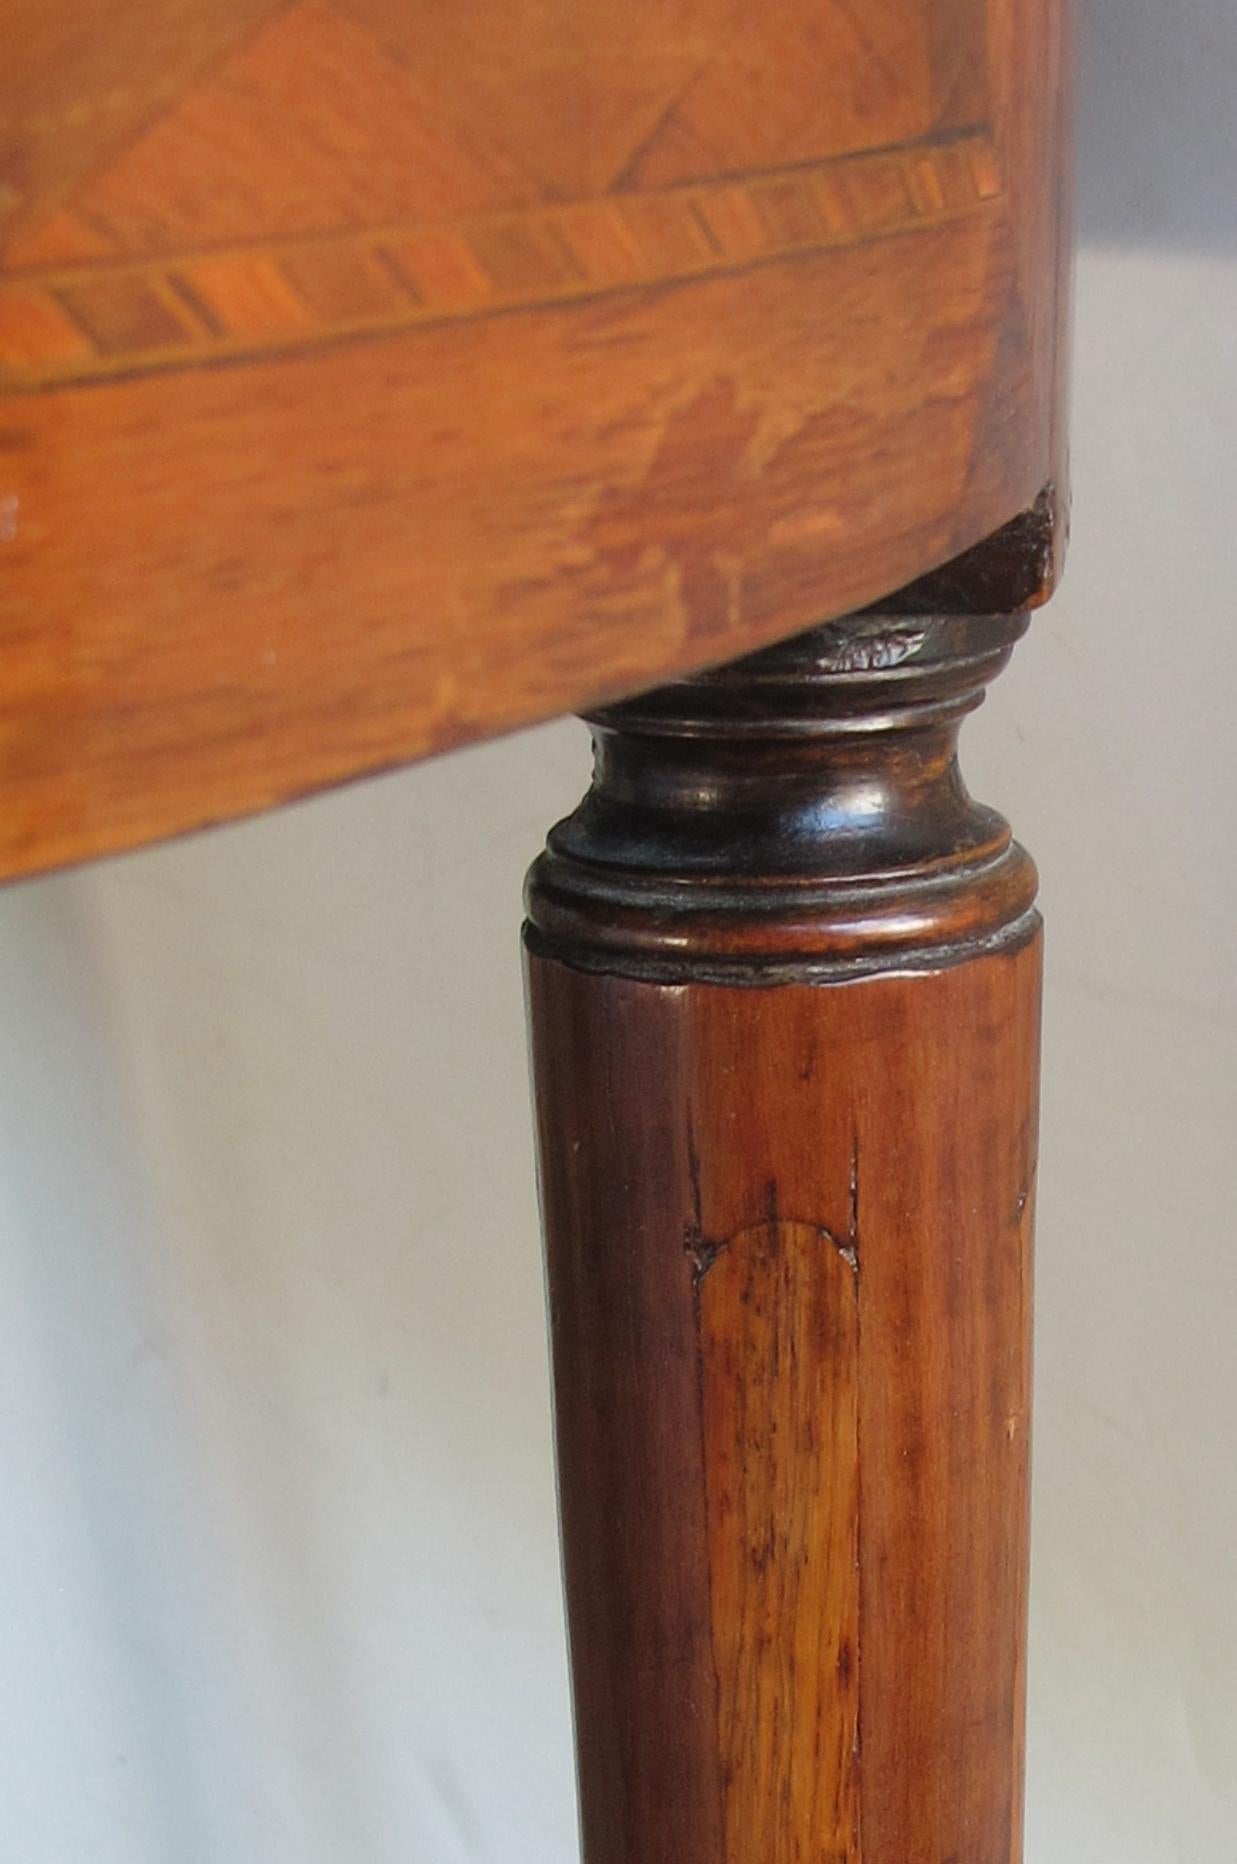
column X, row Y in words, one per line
column 784, row 981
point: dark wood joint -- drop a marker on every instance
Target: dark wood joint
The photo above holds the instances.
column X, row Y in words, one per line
column 800, row 814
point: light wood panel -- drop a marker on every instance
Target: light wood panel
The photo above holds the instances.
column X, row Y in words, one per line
column 377, row 376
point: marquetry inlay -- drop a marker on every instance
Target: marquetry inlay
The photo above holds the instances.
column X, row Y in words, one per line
column 318, row 179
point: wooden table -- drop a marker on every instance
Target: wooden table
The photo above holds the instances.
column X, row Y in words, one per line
column 382, row 374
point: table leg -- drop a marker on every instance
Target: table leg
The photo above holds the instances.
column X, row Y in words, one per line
column 784, row 985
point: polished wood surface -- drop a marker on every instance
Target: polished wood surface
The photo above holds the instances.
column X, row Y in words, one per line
column 784, row 984
column 377, row 376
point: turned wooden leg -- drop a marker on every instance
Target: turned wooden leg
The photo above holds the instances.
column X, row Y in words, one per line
column 784, row 981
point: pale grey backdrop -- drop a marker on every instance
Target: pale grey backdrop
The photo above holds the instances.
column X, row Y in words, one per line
column 277, row 1542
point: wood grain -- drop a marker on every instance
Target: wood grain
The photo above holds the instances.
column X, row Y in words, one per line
column 376, row 377
column 784, row 984
column 794, row 1498
column 779, row 1357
